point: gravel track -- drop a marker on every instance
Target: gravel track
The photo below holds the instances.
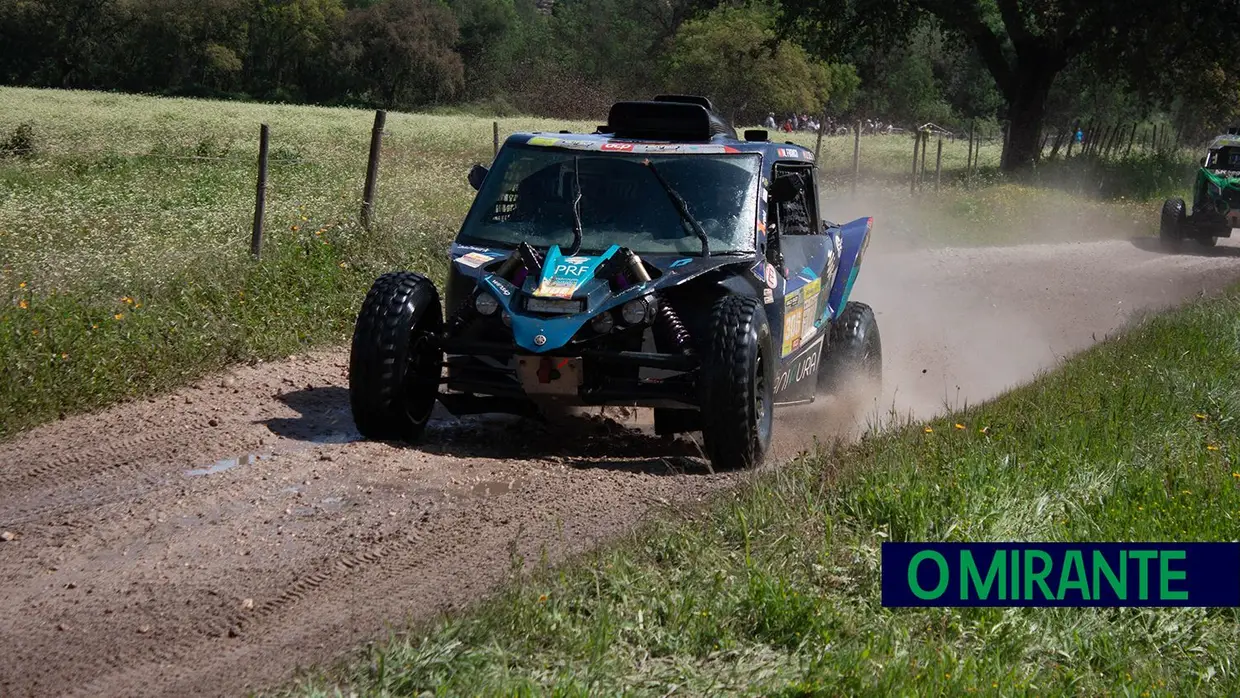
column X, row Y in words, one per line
column 213, row 540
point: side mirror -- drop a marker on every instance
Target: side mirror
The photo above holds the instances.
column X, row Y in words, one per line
column 477, row 175
column 1203, row 162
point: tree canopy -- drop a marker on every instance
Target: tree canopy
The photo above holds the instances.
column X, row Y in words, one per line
column 735, row 54
column 1032, row 64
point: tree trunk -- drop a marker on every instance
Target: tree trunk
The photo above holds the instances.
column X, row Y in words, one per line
column 1026, row 112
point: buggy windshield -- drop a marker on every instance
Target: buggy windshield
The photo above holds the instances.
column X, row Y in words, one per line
column 1225, row 158
column 528, row 197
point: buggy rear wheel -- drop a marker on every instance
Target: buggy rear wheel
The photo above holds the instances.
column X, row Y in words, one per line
column 394, row 368
column 737, row 384
column 1171, row 223
column 852, row 359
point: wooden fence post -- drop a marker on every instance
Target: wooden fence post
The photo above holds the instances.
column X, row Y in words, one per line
column 1131, row 137
column 260, row 199
column 925, row 146
column 916, row 146
column 1076, row 126
column 1154, row 139
column 822, row 125
column 968, row 158
column 938, row 165
column 856, row 158
column 495, row 136
column 372, row 168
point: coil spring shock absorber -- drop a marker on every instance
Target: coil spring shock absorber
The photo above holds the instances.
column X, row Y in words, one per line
column 673, row 328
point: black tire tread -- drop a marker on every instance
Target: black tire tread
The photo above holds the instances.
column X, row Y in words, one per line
column 840, row 364
column 378, row 385
column 1171, row 222
column 730, row 429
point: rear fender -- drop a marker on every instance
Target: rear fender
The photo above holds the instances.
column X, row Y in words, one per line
column 855, row 238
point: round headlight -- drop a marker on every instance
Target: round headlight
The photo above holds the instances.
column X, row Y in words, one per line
column 485, row 303
column 635, row 311
column 602, row 323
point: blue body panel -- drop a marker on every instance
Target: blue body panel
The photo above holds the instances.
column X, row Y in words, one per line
column 856, row 238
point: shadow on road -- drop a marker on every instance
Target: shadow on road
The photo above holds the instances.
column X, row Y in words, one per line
column 581, row 441
column 1188, row 247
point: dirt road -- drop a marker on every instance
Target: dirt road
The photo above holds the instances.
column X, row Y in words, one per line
column 213, row 540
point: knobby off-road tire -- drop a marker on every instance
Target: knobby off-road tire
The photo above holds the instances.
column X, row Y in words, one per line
column 737, row 382
column 393, row 371
column 852, row 359
column 1171, row 223
column 794, row 218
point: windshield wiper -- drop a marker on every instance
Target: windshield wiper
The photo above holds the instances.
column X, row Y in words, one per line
column 682, row 208
column 577, row 233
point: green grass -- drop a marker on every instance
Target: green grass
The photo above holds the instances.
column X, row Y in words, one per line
column 124, row 238
column 124, row 241
column 774, row 589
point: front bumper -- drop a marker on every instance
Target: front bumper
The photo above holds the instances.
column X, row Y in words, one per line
column 632, row 378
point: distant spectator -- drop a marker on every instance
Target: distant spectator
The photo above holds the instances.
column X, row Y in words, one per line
column 770, row 121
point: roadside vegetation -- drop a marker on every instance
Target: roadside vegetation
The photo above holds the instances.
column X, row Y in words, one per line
column 774, row 589
column 125, row 224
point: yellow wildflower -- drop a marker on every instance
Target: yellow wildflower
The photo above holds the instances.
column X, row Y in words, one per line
column 928, row 430
column 1200, row 417
column 960, row 427
column 23, row 304
column 1211, row 447
column 22, row 285
column 119, row 316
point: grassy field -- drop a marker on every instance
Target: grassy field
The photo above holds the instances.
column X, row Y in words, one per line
column 125, row 238
column 774, row 589
column 124, row 266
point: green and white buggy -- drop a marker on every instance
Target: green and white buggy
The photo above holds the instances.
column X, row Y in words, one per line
column 1216, row 198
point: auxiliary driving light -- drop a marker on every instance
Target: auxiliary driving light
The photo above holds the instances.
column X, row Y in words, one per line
column 486, row 304
column 602, row 323
column 638, row 310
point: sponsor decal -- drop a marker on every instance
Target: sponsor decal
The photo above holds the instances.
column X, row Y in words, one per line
column 805, row 368
column 474, row 259
column 556, row 288
column 809, row 295
column 576, row 260
column 771, row 278
column 793, row 311
column 499, row 286
column 789, row 153
column 679, row 263
column 608, row 146
column 574, row 270
column 768, row 296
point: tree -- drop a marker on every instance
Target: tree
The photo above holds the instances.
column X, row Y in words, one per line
column 734, row 55
column 1026, row 44
column 401, row 52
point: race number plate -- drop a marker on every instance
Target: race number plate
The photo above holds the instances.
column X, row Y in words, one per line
column 549, row 375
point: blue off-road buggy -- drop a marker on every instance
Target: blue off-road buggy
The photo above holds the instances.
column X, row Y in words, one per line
column 659, row 262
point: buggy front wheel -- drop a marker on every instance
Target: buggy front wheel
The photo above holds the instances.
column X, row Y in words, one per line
column 394, row 365
column 737, row 384
column 1171, row 223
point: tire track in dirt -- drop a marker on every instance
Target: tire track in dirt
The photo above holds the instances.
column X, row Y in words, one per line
column 130, row 576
